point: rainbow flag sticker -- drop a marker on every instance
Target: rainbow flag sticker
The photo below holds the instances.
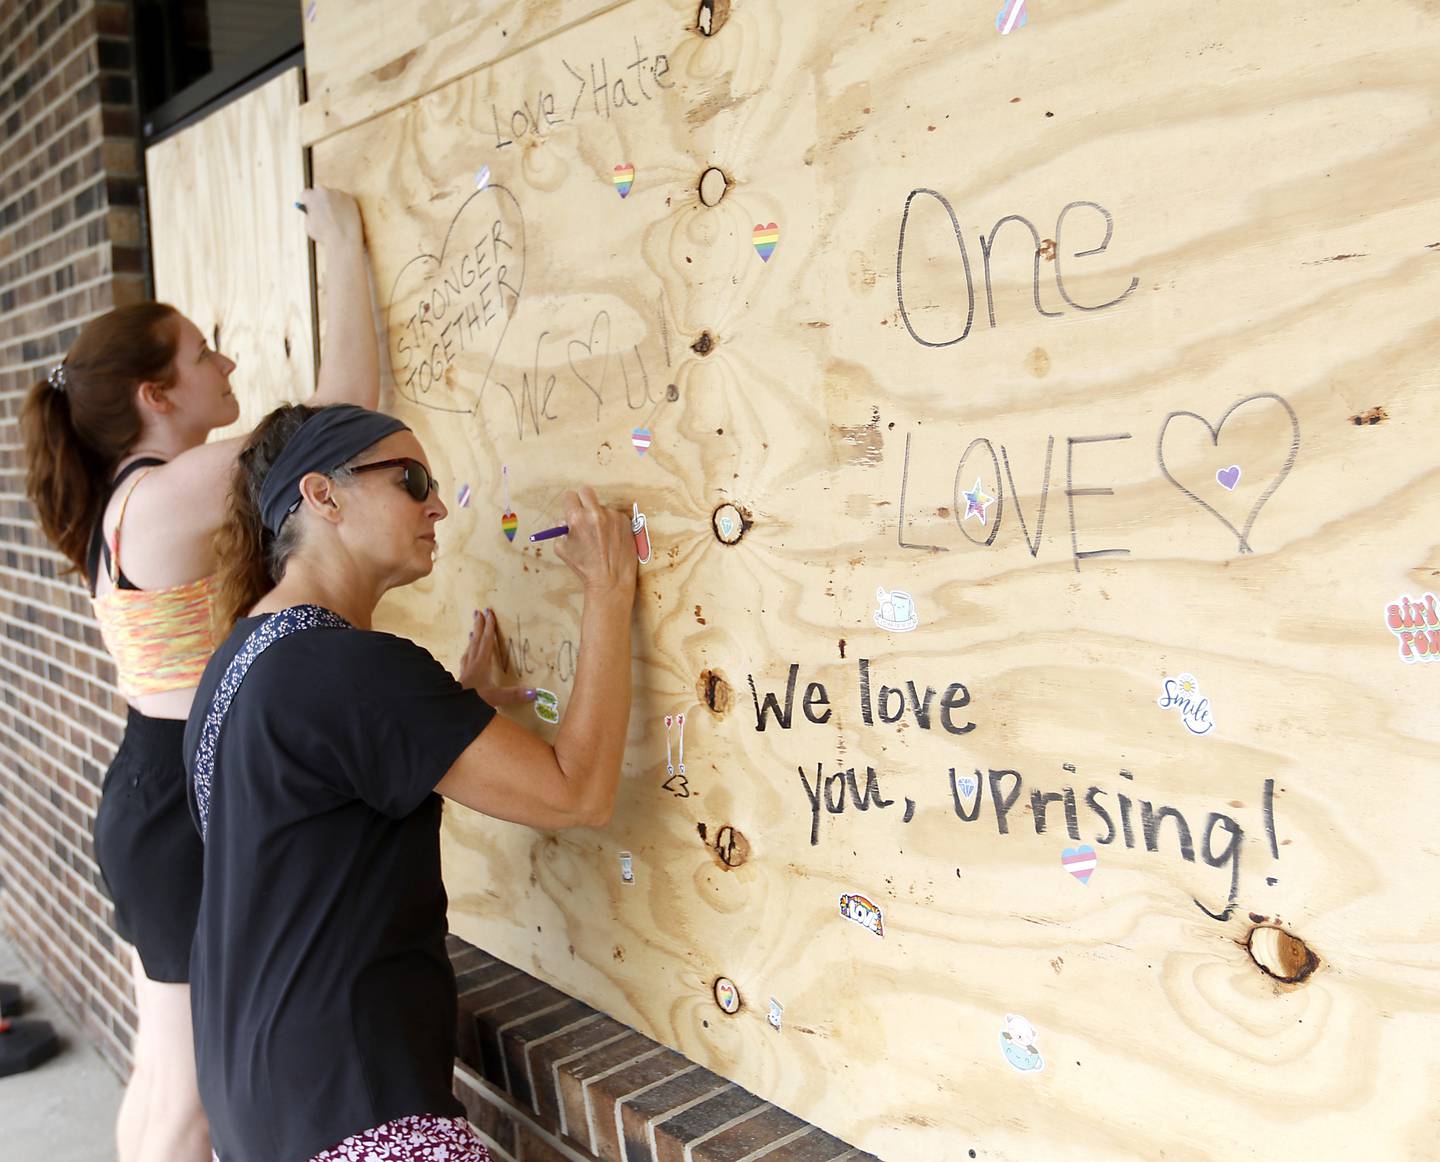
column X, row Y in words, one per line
column 509, row 522
column 624, row 178
column 766, row 238
column 1012, row 15
column 640, row 437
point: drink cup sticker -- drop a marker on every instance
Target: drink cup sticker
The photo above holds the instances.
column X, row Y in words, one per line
column 1013, row 14
column 547, row 706
column 1080, row 862
column 856, row 907
column 463, row 499
column 641, row 528
column 897, row 611
column 627, row 869
column 1415, row 622
column 1182, row 695
column 624, row 178
column 776, row 1013
column 482, row 177
column 766, row 239
column 1018, row 1042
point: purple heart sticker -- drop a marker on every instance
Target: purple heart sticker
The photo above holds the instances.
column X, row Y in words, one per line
column 1229, row 477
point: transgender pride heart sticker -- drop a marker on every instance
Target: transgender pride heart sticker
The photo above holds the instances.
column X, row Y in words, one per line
column 1080, row 862
column 641, row 438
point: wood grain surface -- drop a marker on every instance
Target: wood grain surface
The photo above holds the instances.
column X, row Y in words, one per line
column 1153, row 284
column 228, row 247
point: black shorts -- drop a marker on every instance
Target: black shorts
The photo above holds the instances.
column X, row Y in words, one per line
column 148, row 848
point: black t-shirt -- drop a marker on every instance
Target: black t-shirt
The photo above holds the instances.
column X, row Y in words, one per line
column 323, row 1000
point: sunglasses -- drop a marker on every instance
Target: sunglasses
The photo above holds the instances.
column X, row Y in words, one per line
column 417, row 481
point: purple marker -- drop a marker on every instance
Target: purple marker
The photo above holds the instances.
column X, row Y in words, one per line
column 550, row 534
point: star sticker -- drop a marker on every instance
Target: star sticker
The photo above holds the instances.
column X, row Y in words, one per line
column 977, row 502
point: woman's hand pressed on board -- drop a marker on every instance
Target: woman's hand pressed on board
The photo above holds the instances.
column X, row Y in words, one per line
column 600, row 547
column 332, row 218
column 477, row 664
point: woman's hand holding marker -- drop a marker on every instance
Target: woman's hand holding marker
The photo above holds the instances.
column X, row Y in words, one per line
column 599, row 546
column 477, row 664
column 331, row 217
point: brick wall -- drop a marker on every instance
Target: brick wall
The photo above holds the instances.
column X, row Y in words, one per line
column 545, row 1078
column 70, row 248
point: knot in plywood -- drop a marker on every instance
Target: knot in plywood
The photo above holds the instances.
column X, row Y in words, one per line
column 713, row 184
column 1287, row 958
column 731, row 847
column 714, row 691
column 712, row 16
column 730, row 523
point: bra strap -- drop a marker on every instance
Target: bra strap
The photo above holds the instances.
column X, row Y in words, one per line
column 119, row 520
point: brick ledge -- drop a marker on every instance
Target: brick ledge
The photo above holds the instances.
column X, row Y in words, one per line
column 546, row 1078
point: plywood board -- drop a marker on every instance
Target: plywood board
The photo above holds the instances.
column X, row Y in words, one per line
column 1075, row 433
column 229, row 248
column 364, row 57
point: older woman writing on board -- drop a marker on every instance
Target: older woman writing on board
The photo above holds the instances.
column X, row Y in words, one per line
column 116, row 442
column 324, row 1003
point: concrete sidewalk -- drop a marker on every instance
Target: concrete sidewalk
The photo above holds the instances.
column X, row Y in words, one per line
column 64, row 1110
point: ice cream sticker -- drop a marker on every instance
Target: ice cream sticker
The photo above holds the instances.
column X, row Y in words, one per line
column 896, row 612
column 1183, row 696
column 857, row 908
column 1018, row 1043
column 1415, row 622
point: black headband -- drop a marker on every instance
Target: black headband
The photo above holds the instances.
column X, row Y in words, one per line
column 331, row 437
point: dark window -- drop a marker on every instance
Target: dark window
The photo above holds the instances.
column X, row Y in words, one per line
column 193, row 53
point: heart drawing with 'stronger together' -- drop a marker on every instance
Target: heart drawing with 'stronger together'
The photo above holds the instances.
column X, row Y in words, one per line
column 448, row 313
column 1242, row 534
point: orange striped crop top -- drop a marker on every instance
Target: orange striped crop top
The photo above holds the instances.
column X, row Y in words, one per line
column 160, row 639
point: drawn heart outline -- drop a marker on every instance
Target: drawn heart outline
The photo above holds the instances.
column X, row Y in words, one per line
column 589, row 349
column 437, row 265
column 1242, row 536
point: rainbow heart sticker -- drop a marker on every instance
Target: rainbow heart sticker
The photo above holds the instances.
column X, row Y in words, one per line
column 624, row 178
column 765, row 239
column 641, row 438
column 1080, row 862
column 509, row 522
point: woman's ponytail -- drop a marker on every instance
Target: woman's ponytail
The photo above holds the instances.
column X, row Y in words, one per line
column 65, row 478
column 251, row 559
column 81, row 421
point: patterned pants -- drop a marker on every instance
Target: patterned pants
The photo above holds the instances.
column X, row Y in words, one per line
column 423, row 1138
